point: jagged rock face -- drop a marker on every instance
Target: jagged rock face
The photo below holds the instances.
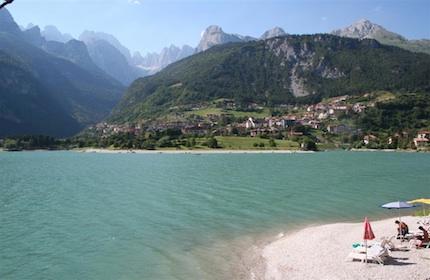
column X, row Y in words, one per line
column 7, row 24
column 272, row 33
column 154, row 62
column 88, row 36
column 33, row 36
column 39, row 88
column 111, row 56
column 297, row 61
column 364, row 29
column 73, row 50
column 112, row 61
column 51, row 33
column 173, row 54
column 214, row 35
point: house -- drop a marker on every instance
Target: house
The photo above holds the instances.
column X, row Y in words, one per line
column 338, row 129
column 369, row 138
column 197, row 130
column 315, row 124
column 323, row 116
column 290, row 121
column 250, row 123
column 423, row 134
column 358, row 108
column 421, row 142
column 422, row 139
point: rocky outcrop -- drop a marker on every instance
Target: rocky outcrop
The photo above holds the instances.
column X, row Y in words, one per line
column 214, row 35
column 88, row 36
column 272, row 33
column 364, row 29
column 154, row 62
column 51, row 33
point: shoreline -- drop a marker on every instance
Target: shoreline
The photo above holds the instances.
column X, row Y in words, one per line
column 325, row 248
column 227, row 151
column 213, row 151
column 194, row 152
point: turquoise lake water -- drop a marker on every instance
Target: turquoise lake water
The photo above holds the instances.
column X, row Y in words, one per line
column 66, row 215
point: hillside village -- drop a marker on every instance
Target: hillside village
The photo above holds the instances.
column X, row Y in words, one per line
column 330, row 122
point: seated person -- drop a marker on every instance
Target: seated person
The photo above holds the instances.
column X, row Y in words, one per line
column 402, row 229
column 424, row 240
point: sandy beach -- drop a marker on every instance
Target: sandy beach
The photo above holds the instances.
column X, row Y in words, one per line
column 321, row 252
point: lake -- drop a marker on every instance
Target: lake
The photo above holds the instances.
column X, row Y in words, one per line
column 68, row 215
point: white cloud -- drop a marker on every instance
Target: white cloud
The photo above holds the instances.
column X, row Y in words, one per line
column 135, row 2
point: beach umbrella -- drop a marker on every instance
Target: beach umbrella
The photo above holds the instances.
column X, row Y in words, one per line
column 398, row 205
column 368, row 234
column 421, row 200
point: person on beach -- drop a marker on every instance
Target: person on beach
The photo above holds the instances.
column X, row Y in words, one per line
column 423, row 240
column 402, row 229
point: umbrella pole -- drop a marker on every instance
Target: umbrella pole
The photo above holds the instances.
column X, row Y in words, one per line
column 365, row 246
column 400, row 227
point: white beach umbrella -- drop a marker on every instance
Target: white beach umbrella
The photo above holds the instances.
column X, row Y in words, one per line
column 398, row 205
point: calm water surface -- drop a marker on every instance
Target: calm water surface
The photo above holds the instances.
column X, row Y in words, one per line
column 66, row 215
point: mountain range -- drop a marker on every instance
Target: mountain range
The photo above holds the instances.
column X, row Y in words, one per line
column 107, row 51
column 111, row 56
column 364, row 29
column 214, row 35
column 281, row 70
column 154, row 62
column 50, row 77
column 51, row 89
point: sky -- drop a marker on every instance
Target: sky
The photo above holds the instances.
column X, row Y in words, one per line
column 150, row 25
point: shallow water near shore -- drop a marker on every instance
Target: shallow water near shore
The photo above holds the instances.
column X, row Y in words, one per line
column 67, row 215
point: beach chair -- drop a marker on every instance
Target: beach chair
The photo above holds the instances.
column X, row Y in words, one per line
column 388, row 243
column 376, row 253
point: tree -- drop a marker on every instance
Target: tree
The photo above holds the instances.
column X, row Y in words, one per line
column 10, row 144
column 272, row 143
column 309, row 145
column 212, row 143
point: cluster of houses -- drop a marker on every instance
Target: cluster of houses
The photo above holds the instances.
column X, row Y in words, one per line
column 313, row 116
column 319, row 116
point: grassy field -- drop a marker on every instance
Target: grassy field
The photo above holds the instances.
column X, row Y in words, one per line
column 238, row 114
column 247, row 143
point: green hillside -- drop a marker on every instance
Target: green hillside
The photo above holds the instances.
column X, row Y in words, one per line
column 277, row 71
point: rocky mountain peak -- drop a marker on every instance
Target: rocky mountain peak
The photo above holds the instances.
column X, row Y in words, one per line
column 360, row 29
column 7, row 23
column 51, row 33
column 212, row 29
column 272, row 33
column 91, row 36
column 214, row 35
